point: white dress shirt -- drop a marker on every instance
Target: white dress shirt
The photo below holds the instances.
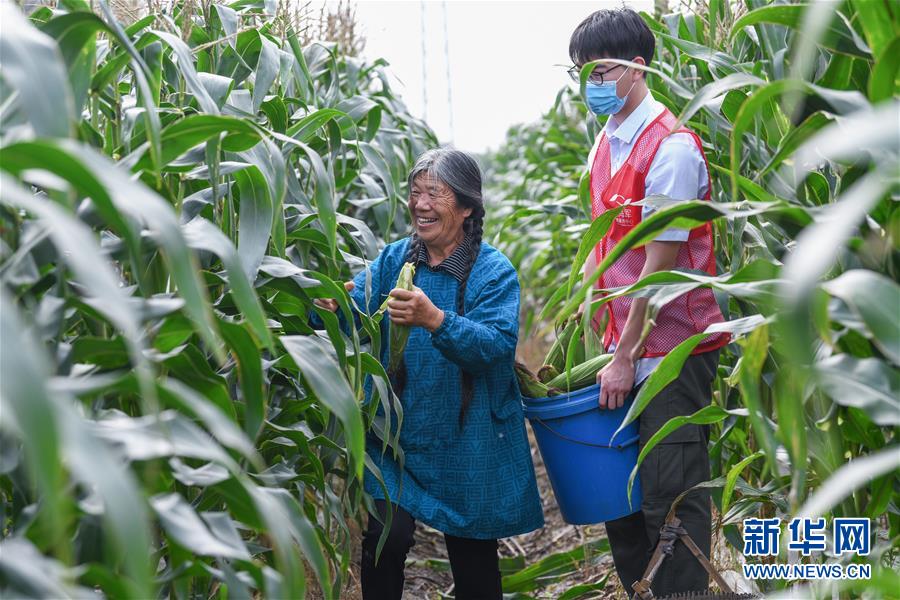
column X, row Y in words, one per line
column 678, row 171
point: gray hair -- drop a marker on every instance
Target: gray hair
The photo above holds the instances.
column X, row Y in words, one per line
column 455, row 168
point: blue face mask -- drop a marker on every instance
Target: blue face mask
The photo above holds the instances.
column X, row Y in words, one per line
column 602, row 99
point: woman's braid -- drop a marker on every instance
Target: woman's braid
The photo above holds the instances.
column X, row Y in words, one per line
column 473, row 225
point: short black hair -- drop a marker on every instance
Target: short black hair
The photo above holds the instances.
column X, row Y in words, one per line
column 612, row 33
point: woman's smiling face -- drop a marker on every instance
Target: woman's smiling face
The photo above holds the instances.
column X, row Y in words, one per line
column 436, row 215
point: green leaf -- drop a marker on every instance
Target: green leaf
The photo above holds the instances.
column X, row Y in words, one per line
column 143, row 205
column 228, row 17
column 305, row 128
column 21, row 156
column 29, row 574
column 752, row 107
column 82, row 253
column 755, row 352
column 598, row 229
column 276, row 113
column 46, row 100
column 753, row 282
column 108, row 354
column 670, row 366
column 705, row 416
column 703, row 54
column 23, row 375
column 185, row 527
column 878, row 24
column 679, row 214
column 664, row 374
column 874, row 298
column 322, row 373
column 553, row 567
column 28, row 409
column 377, row 161
column 217, row 421
column 324, row 195
column 185, row 65
column 731, row 480
column 278, row 523
column 794, row 138
column 643, row 232
column 865, row 383
column 203, row 235
column 713, row 90
column 819, row 245
column 839, row 37
column 250, row 375
column 847, row 479
column 839, row 141
column 883, row 81
column 266, row 71
column 585, row 590
column 182, row 135
column 140, row 70
column 255, row 220
column 75, row 5
column 268, row 218
column 76, row 36
column 217, row 86
column 302, row 70
column 205, row 475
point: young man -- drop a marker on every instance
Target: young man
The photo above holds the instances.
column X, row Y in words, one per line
column 638, row 155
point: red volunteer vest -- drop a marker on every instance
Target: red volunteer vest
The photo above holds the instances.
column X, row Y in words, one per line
column 686, row 315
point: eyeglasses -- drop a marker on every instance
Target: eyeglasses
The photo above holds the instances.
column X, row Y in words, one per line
column 596, row 76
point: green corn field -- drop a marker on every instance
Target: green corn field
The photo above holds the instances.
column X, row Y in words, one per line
column 178, row 188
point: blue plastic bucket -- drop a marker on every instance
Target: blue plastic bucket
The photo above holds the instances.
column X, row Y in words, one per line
column 588, row 474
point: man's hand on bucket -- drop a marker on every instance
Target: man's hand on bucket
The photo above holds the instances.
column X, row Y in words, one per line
column 616, row 380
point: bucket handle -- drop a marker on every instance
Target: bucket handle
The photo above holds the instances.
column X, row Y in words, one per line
column 620, row 446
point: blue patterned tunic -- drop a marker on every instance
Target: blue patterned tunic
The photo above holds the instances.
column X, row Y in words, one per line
column 477, row 482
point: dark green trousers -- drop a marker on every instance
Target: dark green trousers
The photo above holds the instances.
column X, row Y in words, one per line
column 676, row 464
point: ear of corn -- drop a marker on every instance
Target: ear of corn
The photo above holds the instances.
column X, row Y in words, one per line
column 547, row 372
column 581, row 376
column 552, row 378
column 529, row 385
column 381, row 309
column 400, row 333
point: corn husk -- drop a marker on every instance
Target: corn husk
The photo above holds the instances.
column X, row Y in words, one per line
column 593, row 343
column 556, row 357
column 399, row 334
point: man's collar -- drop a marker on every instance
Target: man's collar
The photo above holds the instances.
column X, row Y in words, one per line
column 456, row 264
column 627, row 129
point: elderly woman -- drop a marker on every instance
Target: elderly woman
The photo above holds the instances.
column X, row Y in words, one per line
column 467, row 469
